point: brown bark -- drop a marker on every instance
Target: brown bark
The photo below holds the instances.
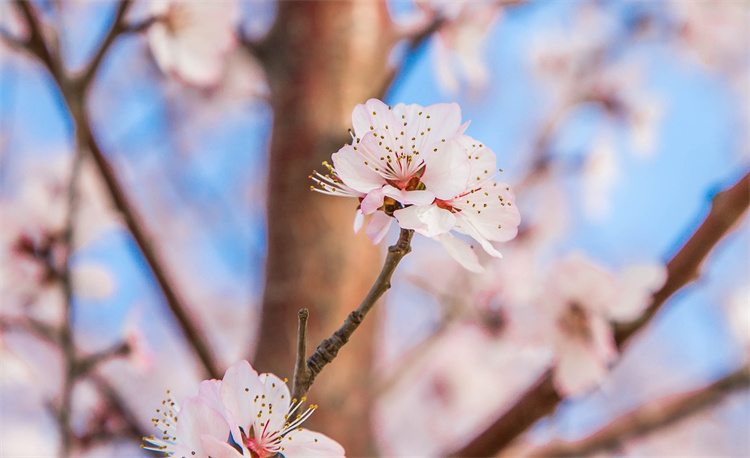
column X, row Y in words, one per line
column 321, row 59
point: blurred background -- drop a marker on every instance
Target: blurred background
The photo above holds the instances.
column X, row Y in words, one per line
column 157, row 223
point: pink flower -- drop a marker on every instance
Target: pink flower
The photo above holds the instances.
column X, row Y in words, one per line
column 583, row 299
column 415, row 163
column 193, row 39
column 242, row 415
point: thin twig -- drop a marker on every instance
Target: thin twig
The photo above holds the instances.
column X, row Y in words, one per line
column 542, row 399
column 300, row 368
column 329, row 348
column 650, row 417
column 118, row 27
column 67, row 344
column 74, row 96
column 85, row 365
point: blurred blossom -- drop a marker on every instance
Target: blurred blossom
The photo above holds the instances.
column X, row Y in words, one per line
column 716, row 32
column 244, row 414
column 415, row 163
column 92, row 281
column 460, row 46
column 739, row 315
column 600, row 174
column 580, row 300
column 193, row 39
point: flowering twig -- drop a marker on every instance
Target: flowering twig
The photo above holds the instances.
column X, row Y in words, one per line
column 650, row 417
column 74, row 91
column 329, row 348
column 542, row 399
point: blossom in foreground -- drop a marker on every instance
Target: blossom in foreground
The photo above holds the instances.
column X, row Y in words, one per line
column 242, row 415
column 192, row 39
column 415, row 163
column 583, row 299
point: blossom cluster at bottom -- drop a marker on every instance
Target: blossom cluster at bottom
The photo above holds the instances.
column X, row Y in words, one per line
column 242, row 415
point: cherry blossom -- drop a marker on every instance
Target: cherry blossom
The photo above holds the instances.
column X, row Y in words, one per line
column 415, row 163
column 242, row 415
column 581, row 300
column 193, row 39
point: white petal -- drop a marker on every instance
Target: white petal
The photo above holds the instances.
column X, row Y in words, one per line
column 274, row 403
column 409, row 197
column 351, row 168
column 309, row 443
column 210, row 392
column 443, row 120
column 216, row 448
column 466, row 224
column 461, row 252
column 197, row 418
column 373, row 113
column 481, row 159
column 359, row 220
column 578, row 369
column 239, row 388
column 446, row 172
column 428, row 220
column 372, row 201
column 378, row 226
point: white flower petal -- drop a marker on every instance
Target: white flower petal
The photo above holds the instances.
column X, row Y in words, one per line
column 378, row 226
column 409, row 197
column 447, row 170
column 372, row 201
column 373, row 113
column 429, row 220
column 274, row 403
column 239, row 388
column 359, row 220
column 461, row 252
column 308, row 443
column 578, row 369
column 351, row 168
column 197, row 418
column 216, row 448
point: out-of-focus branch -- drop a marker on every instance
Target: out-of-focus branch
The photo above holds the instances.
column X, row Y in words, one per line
column 118, row 27
column 36, row 44
column 118, row 404
column 650, row 417
column 74, row 96
column 413, row 46
column 727, row 209
column 66, row 342
column 541, row 400
column 85, row 365
column 329, row 348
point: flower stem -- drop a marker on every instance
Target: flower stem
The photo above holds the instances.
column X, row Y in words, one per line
column 326, row 352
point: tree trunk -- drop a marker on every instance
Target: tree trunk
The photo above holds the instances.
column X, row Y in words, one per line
column 321, row 58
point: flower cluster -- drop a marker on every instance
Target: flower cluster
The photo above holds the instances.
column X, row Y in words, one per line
column 415, row 164
column 242, row 415
column 192, row 39
column 579, row 302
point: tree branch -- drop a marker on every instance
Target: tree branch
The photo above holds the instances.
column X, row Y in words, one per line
column 727, row 209
column 542, row 399
column 329, row 348
column 118, row 27
column 300, row 369
column 650, row 417
column 75, row 99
